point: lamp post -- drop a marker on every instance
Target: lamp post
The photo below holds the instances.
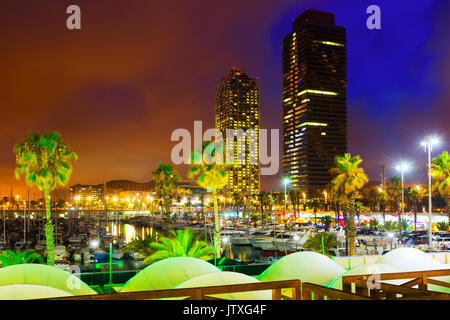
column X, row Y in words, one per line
column 4, row 225
column 428, row 144
column 24, row 224
column 325, row 194
column 402, row 167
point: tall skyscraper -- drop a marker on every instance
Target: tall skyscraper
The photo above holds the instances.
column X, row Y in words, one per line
column 237, row 107
column 314, row 99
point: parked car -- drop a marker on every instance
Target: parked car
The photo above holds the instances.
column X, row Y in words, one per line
column 421, row 240
column 444, row 243
column 337, row 252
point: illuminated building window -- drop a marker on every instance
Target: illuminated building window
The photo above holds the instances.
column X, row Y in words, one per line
column 330, row 43
column 327, row 93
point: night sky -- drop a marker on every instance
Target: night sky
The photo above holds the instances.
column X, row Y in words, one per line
column 139, row 69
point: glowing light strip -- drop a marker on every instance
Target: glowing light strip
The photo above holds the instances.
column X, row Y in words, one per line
column 330, row 43
column 328, row 93
column 314, row 124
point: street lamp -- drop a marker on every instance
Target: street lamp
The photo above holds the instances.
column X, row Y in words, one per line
column 402, row 168
column 25, row 223
column 325, row 194
column 428, row 145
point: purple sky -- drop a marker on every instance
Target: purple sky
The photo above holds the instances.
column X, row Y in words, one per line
column 136, row 71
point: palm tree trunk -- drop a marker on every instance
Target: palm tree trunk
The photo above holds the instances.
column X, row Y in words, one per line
column 217, row 226
column 167, row 204
column 345, row 214
column 447, row 204
column 262, row 211
column 351, row 225
column 415, row 215
column 49, row 231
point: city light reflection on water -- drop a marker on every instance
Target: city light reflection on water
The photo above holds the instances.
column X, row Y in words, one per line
column 130, row 232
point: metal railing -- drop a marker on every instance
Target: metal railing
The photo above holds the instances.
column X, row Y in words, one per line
column 200, row 293
column 371, row 286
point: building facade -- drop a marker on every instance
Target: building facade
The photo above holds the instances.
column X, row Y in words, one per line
column 314, row 99
column 86, row 193
column 238, row 107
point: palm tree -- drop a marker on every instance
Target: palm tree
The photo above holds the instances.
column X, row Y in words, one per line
column 381, row 197
column 264, row 200
column 404, row 225
column 440, row 171
column 359, row 208
column 165, row 177
column 8, row 258
column 374, row 224
column 321, row 242
column 142, row 245
column 443, row 226
column 391, row 226
column 370, row 198
column 327, row 221
column 182, row 244
column 348, row 179
column 394, row 192
column 315, row 205
column 294, row 196
column 45, row 162
column 213, row 177
column 179, row 193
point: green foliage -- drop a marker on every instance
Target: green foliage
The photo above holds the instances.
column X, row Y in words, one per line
column 44, row 160
column 394, row 191
column 440, row 171
column 165, row 177
column 315, row 242
column 255, row 217
column 374, row 224
column 327, row 220
column 390, row 226
column 443, row 226
column 141, row 245
column 8, row 258
column 348, row 179
column 359, row 206
column 210, row 175
column 404, row 225
column 182, row 244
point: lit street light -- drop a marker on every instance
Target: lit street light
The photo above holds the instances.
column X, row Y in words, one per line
column 403, row 167
column 428, row 144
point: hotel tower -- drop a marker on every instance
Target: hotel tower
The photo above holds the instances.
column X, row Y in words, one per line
column 314, row 100
column 237, row 107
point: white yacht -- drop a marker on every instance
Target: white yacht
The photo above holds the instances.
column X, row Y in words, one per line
column 61, row 253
